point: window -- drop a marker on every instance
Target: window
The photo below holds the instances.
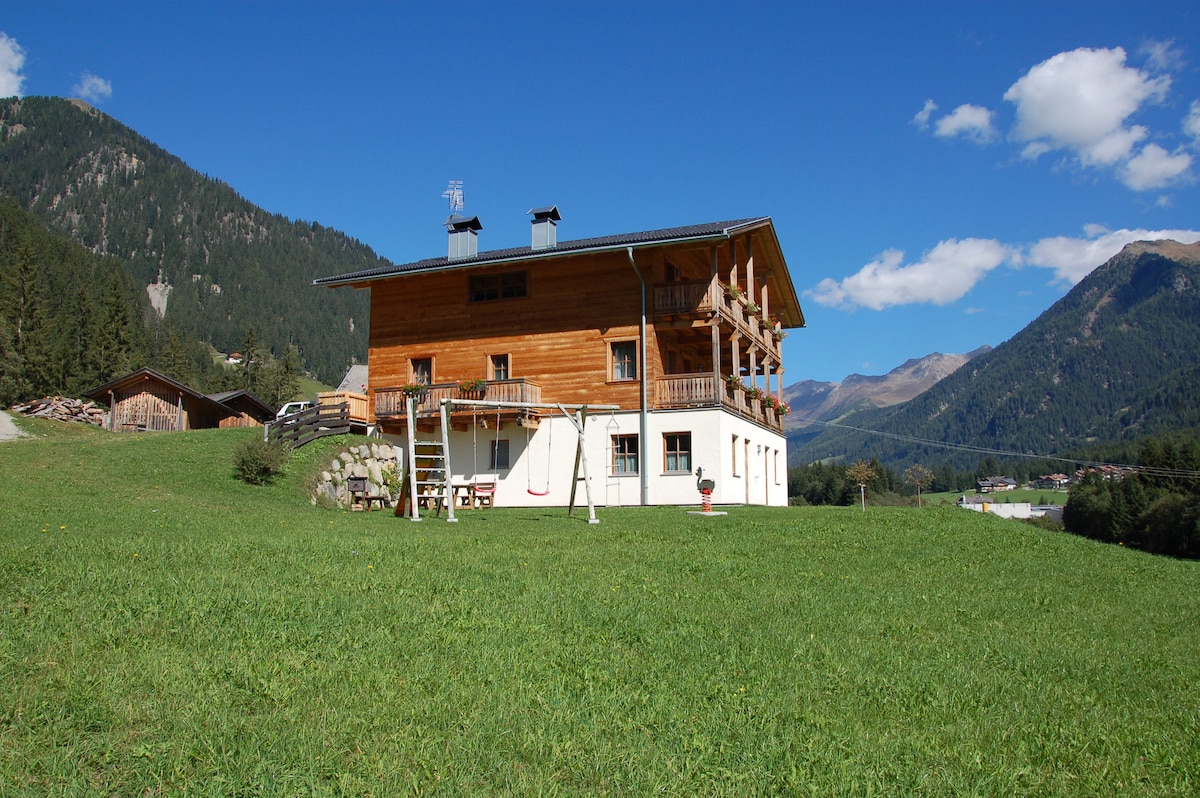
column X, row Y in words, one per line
column 498, row 367
column 499, row 454
column 624, row 360
column 677, row 452
column 734, row 449
column 625, row 454
column 487, row 288
column 422, row 370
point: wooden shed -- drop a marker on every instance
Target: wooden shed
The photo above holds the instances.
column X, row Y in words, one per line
column 147, row 401
column 249, row 410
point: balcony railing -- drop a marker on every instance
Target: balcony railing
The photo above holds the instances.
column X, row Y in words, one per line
column 703, row 390
column 683, row 299
column 357, row 403
column 389, row 402
column 704, row 299
column 686, row 390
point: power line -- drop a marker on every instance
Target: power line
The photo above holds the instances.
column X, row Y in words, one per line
column 1153, row 471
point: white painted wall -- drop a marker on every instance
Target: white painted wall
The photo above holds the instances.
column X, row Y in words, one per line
column 546, row 456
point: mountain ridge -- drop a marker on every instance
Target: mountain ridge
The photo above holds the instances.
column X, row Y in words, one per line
column 1086, row 371
column 215, row 264
column 813, row 401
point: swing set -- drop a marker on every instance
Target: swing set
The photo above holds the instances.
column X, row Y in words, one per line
column 485, row 491
column 488, row 487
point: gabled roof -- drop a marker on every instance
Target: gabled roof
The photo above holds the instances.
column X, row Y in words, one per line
column 244, row 400
column 789, row 311
column 147, row 375
column 355, row 379
column 695, row 232
column 133, row 379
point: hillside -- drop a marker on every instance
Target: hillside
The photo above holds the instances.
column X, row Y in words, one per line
column 824, row 401
column 212, row 262
column 1111, row 360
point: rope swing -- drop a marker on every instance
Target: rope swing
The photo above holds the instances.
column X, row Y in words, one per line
column 486, row 489
column 529, row 463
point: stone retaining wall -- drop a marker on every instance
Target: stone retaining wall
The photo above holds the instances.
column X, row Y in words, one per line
column 379, row 463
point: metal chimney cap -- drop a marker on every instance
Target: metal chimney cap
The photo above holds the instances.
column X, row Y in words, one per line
column 457, row 223
column 549, row 212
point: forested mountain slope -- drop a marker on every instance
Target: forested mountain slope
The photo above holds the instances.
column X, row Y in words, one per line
column 1113, row 359
column 229, row 265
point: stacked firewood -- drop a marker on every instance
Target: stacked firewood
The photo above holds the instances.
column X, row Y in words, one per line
column 62, row 408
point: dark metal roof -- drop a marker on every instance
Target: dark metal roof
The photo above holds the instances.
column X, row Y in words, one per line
column 642, row 239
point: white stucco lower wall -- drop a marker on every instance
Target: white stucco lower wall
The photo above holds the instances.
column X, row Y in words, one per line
column 748, row 462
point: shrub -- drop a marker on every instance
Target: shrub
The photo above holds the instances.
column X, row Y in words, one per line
column 256, row 461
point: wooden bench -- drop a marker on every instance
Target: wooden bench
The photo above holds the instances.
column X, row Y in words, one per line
column 381, row 500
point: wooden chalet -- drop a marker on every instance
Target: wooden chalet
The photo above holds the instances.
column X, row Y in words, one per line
column 681, row 328
column 147, row 401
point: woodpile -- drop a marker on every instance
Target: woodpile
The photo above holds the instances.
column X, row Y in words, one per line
column 60, row 408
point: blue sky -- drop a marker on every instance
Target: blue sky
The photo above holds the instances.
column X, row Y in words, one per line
column 938, row 173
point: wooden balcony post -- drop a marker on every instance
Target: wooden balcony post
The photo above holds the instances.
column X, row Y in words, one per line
column 750, row 291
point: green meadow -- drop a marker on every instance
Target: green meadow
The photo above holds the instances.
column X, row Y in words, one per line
column 168, row 630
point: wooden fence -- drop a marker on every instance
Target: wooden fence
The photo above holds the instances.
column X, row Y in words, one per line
column 306, row 426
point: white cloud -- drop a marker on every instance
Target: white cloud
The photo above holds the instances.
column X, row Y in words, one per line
column 1072, row 259
column 1154, row 167
column 1191, row 124
column 972, row 121
column 12, row 61
column 1080, row 101
column 921, row 119
column 954, row 267
column 1163, row 56
column 945, row 274
column 92, row 88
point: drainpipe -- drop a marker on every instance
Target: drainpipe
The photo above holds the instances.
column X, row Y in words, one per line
column 643, row 416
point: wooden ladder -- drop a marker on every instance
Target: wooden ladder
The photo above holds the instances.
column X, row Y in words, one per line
column 429, row 475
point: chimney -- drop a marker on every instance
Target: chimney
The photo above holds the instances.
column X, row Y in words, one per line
column 464, row 237
column 545, row 222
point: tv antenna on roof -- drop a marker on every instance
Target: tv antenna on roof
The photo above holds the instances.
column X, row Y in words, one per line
column 454, row 193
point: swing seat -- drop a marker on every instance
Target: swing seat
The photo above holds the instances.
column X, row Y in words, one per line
column 533, row 492
column 483, row 493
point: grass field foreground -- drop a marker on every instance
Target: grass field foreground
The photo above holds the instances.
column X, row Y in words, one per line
column 165, row 629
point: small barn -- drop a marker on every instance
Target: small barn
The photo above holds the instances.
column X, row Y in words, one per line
column 148, row 401
column 248, row 409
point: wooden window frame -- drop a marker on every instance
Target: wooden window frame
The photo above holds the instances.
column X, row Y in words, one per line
column 735, row 457
column 498, row 286
column 621, row 455
column 491, row 366
column 612, row 359
column 412, row 369
column 677, row 451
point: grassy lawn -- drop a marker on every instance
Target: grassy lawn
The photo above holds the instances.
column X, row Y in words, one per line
column 165, row 629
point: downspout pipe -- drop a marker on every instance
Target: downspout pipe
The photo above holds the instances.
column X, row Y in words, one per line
column 644, row 414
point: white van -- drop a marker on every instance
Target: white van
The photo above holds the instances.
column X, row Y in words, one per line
column 292, row 407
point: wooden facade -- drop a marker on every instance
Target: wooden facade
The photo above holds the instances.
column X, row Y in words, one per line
column 147, row 401
column 716, row 318
column 564, row 324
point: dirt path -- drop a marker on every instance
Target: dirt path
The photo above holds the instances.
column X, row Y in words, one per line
column 8, row 430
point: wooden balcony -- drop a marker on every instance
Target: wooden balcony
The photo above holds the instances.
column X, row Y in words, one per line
column 703, row 390
column 389, row 402
column 706, row 300
column 683, row 299
column 357, row 403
